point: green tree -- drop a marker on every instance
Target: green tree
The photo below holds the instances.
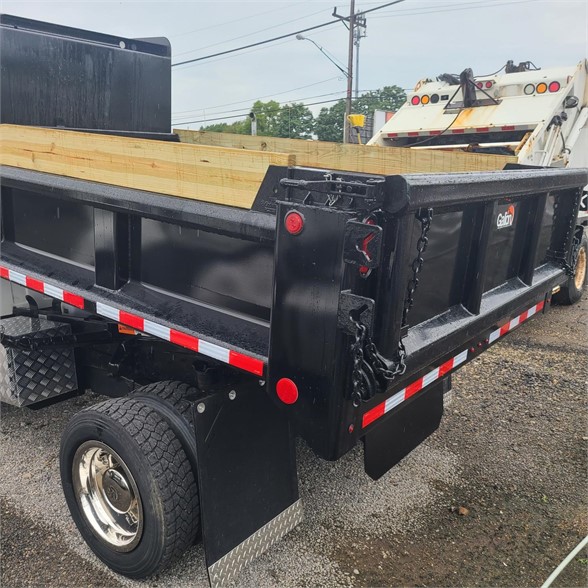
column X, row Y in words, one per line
column 240, row 127
column 386, row 98
column 267, row 114
column 295, row 121
column 328, row 125
column 329, row 122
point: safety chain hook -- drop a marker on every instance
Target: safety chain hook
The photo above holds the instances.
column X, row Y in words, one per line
column 370, row 369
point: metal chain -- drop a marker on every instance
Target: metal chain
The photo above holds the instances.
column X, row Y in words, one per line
column 425, row 217
column 357, row 377
column 368, row 363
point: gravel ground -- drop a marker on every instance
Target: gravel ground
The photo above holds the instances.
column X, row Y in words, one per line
column 511, row 452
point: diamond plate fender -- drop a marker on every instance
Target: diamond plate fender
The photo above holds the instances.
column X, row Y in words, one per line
column 227, row 568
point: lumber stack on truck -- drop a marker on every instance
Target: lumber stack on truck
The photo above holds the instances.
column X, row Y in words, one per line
column 212, row 174
column 212, row 167
column 357, row 158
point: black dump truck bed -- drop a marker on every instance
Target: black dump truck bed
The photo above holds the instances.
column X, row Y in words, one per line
column 335, row 307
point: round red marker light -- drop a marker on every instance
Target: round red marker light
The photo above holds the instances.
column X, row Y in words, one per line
column 554, row 87
column 294, row 222
column 287, row 391
column 489, row 85
column 415, row 100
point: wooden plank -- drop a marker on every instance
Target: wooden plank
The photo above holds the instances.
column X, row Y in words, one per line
column 213, row 174
column 358, row 158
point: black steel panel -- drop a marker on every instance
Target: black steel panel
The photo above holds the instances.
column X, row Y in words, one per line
column 436, row 291
column 54, row 227
column 216, row 269
column 246, row 466
column 502, row 255
column 61, row 76
column 423, row 190
column 245, row 224
column 546, row 229
column 111, row 239
column 305, row 343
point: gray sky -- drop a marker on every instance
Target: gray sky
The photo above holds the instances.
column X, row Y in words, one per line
column 406, row 42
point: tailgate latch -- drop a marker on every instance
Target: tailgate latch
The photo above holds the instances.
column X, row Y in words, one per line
column 362, row 244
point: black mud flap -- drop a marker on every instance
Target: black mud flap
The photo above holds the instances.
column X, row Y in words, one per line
column 398, row 434
column 247, row 478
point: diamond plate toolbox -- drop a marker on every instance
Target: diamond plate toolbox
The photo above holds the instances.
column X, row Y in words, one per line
column 27, row 377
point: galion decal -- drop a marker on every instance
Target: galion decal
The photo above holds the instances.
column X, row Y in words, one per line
column 506, row 219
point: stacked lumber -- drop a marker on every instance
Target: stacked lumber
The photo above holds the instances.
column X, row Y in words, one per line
column 212, row 174
column 212, row 167
column 359, row 158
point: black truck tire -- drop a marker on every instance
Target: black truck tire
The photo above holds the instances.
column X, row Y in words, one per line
column 129, row 486
column 174, row 393
column 572, row 291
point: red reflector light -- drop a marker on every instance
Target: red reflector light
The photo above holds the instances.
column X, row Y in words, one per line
column 294, row 222
column 554, row 87
column 364, row 270
column 479, row 85
column 287, row 391
column 489, row 84
column 415, row 100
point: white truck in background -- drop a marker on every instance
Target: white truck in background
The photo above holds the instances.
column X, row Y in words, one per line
column 539, row 116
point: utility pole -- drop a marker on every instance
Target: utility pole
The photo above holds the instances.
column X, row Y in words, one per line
column 360, row 32
column 346, row 128
column 349, row 22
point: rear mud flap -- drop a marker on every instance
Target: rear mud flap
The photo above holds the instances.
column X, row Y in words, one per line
column 247, row 479
column 397, row 435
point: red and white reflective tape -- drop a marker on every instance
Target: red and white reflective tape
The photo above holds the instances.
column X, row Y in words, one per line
column 233, row 358
column 460, row 131
column 515, row 322
column 381, row 409
column 42, row 287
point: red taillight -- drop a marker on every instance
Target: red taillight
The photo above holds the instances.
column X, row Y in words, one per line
column 364, row 270
column 415, row 100
column 489, row 85
column 294, row 222
column 287, row 391
column 479, row 85
column 554, row 87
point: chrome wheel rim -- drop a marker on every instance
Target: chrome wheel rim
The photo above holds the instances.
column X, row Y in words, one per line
column 108, row 496
column 580, row 269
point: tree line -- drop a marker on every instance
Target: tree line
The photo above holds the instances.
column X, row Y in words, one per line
column 296, row 121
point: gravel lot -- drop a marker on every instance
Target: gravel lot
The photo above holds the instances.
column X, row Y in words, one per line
column 511, row 451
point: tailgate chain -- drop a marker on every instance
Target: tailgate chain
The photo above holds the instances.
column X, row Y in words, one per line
column 369, row 367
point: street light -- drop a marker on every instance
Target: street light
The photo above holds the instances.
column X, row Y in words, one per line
column 347, row 73
column 303, row 38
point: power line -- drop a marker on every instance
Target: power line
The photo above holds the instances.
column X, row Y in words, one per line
column 222, row 24
column 196, row 59
column 255, row 99
column 285, row 36
column 249, row 34
column 190, row 122
column 447, row 8
column 266, row 110
column 297, row 100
